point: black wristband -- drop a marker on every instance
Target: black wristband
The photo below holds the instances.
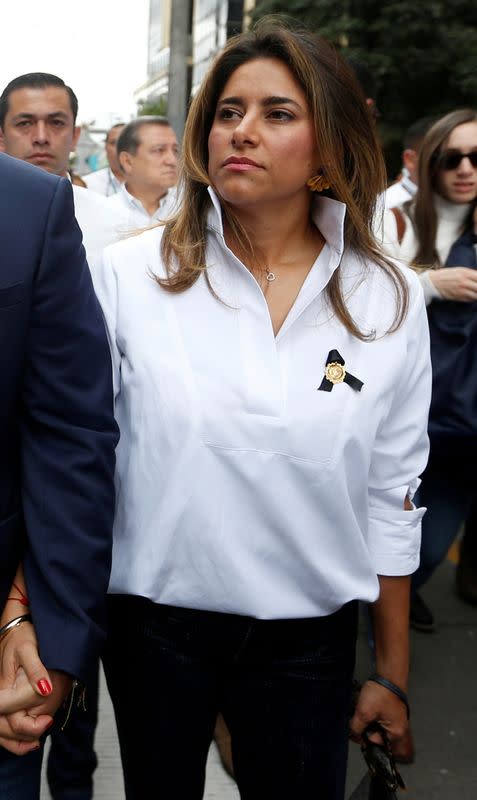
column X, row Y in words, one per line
column 392, row 688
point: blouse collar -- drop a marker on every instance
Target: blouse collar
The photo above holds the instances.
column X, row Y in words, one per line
column 327, row 214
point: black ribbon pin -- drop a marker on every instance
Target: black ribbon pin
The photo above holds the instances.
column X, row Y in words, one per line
column 336, row 373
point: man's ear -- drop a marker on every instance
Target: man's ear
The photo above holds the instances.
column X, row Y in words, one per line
column 409, row 159
column 76, row 135
column 125, row 161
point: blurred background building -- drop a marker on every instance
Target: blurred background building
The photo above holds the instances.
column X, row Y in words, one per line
column 203, row 27
column 158, row 53
column 207, row 27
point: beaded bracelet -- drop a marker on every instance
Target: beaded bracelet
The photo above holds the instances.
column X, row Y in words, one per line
column 392, row 688
column 13, row 624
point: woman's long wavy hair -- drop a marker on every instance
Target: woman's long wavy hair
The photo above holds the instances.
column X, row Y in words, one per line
column 422, row 209
column 347, row 143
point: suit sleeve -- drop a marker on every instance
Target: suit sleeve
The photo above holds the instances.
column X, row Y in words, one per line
column 68, row 440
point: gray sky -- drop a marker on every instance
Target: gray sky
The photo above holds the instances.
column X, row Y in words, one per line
column 98, row 47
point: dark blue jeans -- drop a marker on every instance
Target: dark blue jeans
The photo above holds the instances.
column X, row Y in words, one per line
column 283, row 687
column 449, row 494
column 20, row 775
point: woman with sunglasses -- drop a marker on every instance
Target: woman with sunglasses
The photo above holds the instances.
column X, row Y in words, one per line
column 436, row 231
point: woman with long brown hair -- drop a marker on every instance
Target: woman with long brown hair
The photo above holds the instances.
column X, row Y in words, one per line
column 435, row 232
column 271, row 371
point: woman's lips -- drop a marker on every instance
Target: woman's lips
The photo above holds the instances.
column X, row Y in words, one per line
column 240, row 164
column 235, row 167
column 465, row 187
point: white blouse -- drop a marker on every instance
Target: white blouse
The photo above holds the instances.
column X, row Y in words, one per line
column 242, row 487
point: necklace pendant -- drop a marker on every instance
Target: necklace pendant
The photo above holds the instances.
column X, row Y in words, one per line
column 271, row 276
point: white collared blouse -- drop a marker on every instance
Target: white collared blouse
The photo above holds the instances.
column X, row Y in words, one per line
column 242, row 487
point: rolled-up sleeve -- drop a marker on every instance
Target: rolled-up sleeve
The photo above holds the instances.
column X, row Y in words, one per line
column 400, row 454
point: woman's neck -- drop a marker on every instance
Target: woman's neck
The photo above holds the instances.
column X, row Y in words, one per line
column 451, row 212
column 450, row 224
column 277, row 239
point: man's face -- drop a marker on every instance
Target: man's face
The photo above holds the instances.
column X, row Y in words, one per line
column 39, row 127
column 154, row 164
column 111, row 152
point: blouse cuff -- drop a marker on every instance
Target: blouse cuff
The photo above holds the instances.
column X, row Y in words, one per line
column 394, row 540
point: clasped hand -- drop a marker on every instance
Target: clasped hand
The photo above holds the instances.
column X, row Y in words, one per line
column 455, row 283
column 29, row 694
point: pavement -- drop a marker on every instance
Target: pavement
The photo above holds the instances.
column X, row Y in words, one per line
column 443, row 698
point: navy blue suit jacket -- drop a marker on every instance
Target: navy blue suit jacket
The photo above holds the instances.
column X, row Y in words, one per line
column 57, row 430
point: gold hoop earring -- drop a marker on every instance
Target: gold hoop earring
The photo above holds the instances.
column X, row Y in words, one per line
column 318, row 183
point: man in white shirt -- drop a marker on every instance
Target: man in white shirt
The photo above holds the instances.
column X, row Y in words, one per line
column 148, row 154
column 37, row 124
column 406, row 187
column 108, row 181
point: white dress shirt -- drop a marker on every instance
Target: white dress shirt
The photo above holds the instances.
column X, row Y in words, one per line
column 103, row 181
column 134, row 212
column 100, row 224
column 241, row 487
column 399, row 192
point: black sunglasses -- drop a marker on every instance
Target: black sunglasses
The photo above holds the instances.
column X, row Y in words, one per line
column 451, row 159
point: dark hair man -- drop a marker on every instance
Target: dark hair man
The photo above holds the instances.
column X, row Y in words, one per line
column 38, row 124
column 148, row 154
column 405, row 188
column 108, row 181
column 39, row 112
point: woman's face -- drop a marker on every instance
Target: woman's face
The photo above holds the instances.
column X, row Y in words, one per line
column 459, row 185
column 262, row 143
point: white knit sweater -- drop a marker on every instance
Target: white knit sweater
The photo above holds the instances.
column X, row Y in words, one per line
column 450, row 219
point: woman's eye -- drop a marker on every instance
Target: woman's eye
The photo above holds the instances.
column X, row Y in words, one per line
column 280, row 115
column 228, row 113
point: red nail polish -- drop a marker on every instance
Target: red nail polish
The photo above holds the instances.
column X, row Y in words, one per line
column 44, row 687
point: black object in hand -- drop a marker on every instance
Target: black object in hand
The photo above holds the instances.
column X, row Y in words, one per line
column 386, row 779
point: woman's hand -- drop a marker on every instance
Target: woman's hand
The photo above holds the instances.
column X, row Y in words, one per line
column 455, row 283
column 377, row 704
column 20, row 731
column 29, row 695
column 19, row 649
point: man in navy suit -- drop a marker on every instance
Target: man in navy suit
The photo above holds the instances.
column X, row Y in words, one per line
column 57, row 440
